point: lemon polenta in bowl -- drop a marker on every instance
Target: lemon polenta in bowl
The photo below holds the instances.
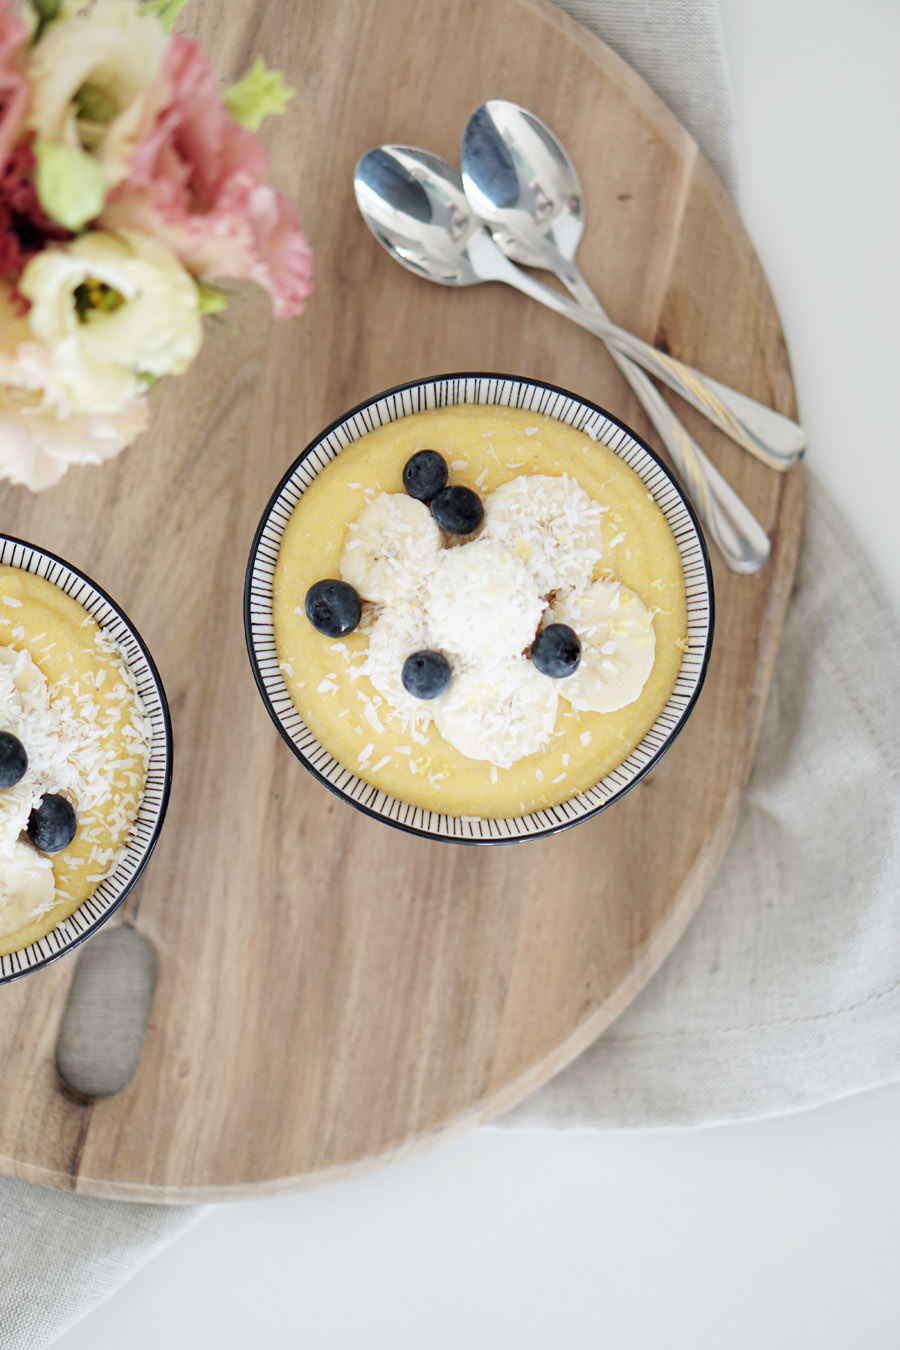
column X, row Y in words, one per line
column 85, row 757
column 478, row 608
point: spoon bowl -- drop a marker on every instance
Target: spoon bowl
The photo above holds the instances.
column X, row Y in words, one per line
column 415, row 205
column 521, row 181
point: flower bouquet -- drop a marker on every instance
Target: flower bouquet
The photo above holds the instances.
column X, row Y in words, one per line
column 131, row 183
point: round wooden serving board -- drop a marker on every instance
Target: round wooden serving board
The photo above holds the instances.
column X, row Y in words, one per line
column 333, row 992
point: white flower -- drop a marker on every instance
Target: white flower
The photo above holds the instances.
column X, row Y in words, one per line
column 94, row 79
column 39, row 442
column 40, row 433
column 111, row 309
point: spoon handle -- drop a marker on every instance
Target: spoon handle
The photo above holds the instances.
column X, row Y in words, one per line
column 737, row 533
column 729, row 522
column 767, row 434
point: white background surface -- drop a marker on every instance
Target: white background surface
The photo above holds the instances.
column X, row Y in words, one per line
column 779, row 1234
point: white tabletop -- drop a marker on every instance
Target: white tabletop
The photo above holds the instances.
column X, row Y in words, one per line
column 777, row 1234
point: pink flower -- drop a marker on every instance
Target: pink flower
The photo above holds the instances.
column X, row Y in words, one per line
column 13, row 80
column 195, row 181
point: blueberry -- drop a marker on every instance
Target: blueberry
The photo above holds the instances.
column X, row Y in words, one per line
column 13, row 759
column 51, row 825
column 425, row 474
column 457, row 510
column 333, row 607
column 425, row 674
column 556, row 651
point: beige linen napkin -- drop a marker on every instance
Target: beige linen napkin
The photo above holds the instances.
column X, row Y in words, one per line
column 784, row 991
column 61, row 1255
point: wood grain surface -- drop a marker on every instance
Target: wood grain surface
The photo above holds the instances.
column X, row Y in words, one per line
column 332, row 992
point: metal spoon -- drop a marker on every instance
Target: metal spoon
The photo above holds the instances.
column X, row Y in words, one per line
column 414, row 204
column 521, row 181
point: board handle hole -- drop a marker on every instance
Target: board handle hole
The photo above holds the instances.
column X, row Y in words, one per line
column 105, row 1018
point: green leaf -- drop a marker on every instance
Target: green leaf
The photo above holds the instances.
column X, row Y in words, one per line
column 70, row 184
column 167, row 11
column 46, row 11
column 210, row 299
column 258, row 94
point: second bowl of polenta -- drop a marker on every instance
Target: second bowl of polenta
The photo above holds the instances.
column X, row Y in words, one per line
column 479, row 608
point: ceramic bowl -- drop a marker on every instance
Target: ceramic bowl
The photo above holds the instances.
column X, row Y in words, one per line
column 538, row 397
column 110, row 893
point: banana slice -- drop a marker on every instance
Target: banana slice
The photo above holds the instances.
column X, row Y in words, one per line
column 397, row 632
column 390, row 548
column 27, row 887
column 501, row 713
column 618, row 645
column 16, row 804
column 27, row 678
column 551, row 524
column 482, row 604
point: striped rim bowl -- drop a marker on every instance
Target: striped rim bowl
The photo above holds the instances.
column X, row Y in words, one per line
column 445, row 391
column 132, row 859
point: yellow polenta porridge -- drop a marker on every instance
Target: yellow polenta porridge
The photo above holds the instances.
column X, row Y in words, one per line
column 479, row 610
column 74, row 750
